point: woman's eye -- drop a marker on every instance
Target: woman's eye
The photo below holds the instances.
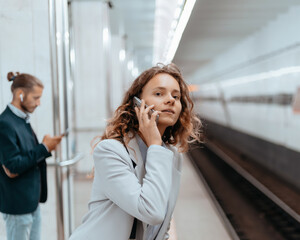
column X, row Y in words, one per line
column 176, row 97
column 157, row 94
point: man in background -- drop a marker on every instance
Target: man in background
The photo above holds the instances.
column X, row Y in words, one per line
column 23, row 176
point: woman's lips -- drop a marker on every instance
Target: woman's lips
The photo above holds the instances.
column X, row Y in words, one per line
column 168, row 111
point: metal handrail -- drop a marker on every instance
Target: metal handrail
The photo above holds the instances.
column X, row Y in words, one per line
column 69, row 162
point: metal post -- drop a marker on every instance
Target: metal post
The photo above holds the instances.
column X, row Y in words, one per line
column 65, row 59
column 107, row 53
column 56, row 117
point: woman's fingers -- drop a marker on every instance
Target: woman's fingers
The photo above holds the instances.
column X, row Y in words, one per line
column 143, row 113
column 137, row 111
column 142, row 108
column 147, row 113
column 153, row 116
column 147, row 124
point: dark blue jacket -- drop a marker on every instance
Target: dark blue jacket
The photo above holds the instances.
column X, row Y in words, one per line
column 21, row 153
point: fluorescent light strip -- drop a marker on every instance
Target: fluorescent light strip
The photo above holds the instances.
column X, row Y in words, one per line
column 186, row 13
column 265, row 75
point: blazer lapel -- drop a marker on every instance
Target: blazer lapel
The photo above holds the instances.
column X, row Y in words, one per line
column 136, row 156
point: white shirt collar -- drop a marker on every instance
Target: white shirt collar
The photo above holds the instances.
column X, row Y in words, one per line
column 19, row 113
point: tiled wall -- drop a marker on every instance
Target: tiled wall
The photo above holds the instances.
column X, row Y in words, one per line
column 24, row 46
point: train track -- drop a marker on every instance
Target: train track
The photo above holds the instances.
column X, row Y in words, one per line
column 249, row 208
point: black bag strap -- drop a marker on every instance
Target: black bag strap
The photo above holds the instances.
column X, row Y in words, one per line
column 133, row 163
column 133, row 230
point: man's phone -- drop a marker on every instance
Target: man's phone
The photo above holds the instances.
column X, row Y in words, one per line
column 65, row 133
column 138, row 102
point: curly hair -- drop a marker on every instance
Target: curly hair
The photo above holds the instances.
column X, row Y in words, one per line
column 124, row 124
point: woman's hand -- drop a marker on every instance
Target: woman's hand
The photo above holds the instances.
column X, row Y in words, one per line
column 147, row 126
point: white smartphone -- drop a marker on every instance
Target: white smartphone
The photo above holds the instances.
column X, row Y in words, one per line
column 138, row 102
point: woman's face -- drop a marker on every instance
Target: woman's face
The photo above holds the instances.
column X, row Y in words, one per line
column 163, row 92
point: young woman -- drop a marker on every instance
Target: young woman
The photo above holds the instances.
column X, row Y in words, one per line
column 138, row 161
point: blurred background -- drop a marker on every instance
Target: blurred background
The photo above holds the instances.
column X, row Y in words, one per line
column 241, row 60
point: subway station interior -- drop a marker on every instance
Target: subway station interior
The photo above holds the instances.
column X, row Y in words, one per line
column 241, row 61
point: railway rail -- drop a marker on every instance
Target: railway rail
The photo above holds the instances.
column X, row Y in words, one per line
column 253, row 202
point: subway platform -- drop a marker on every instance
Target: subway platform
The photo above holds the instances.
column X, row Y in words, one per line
column 195, row 216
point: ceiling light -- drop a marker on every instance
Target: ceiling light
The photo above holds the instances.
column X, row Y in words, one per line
column 177, row 12
column 193, row 87
column 122, row 55
column 135, row 72
column 174, row 24
column 180, row 2
column 105, row 35
column 185, row 15
column 130, row 65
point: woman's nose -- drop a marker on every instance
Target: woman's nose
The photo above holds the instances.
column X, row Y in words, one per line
column 170, row 99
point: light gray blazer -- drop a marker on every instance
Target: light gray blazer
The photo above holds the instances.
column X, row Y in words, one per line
column 121, row 192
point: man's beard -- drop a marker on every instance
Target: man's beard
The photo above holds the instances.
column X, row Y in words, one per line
column 24, row 108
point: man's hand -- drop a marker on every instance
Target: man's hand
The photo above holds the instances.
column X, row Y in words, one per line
column 51, row 142
column 8, row 173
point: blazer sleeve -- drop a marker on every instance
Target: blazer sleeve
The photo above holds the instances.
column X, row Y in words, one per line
column 10, row 152
column 146, row 201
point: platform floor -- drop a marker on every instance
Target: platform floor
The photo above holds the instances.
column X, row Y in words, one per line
column 195, row 216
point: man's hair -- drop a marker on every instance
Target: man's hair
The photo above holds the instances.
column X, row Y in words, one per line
column 124, row 124
column 24, row 81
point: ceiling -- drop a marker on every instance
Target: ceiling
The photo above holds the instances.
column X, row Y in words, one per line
column 214, row 26
column 217, row 25
column 134, row 20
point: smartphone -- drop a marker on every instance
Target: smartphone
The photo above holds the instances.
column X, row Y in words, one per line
column 65, row 133
column 138, row 102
